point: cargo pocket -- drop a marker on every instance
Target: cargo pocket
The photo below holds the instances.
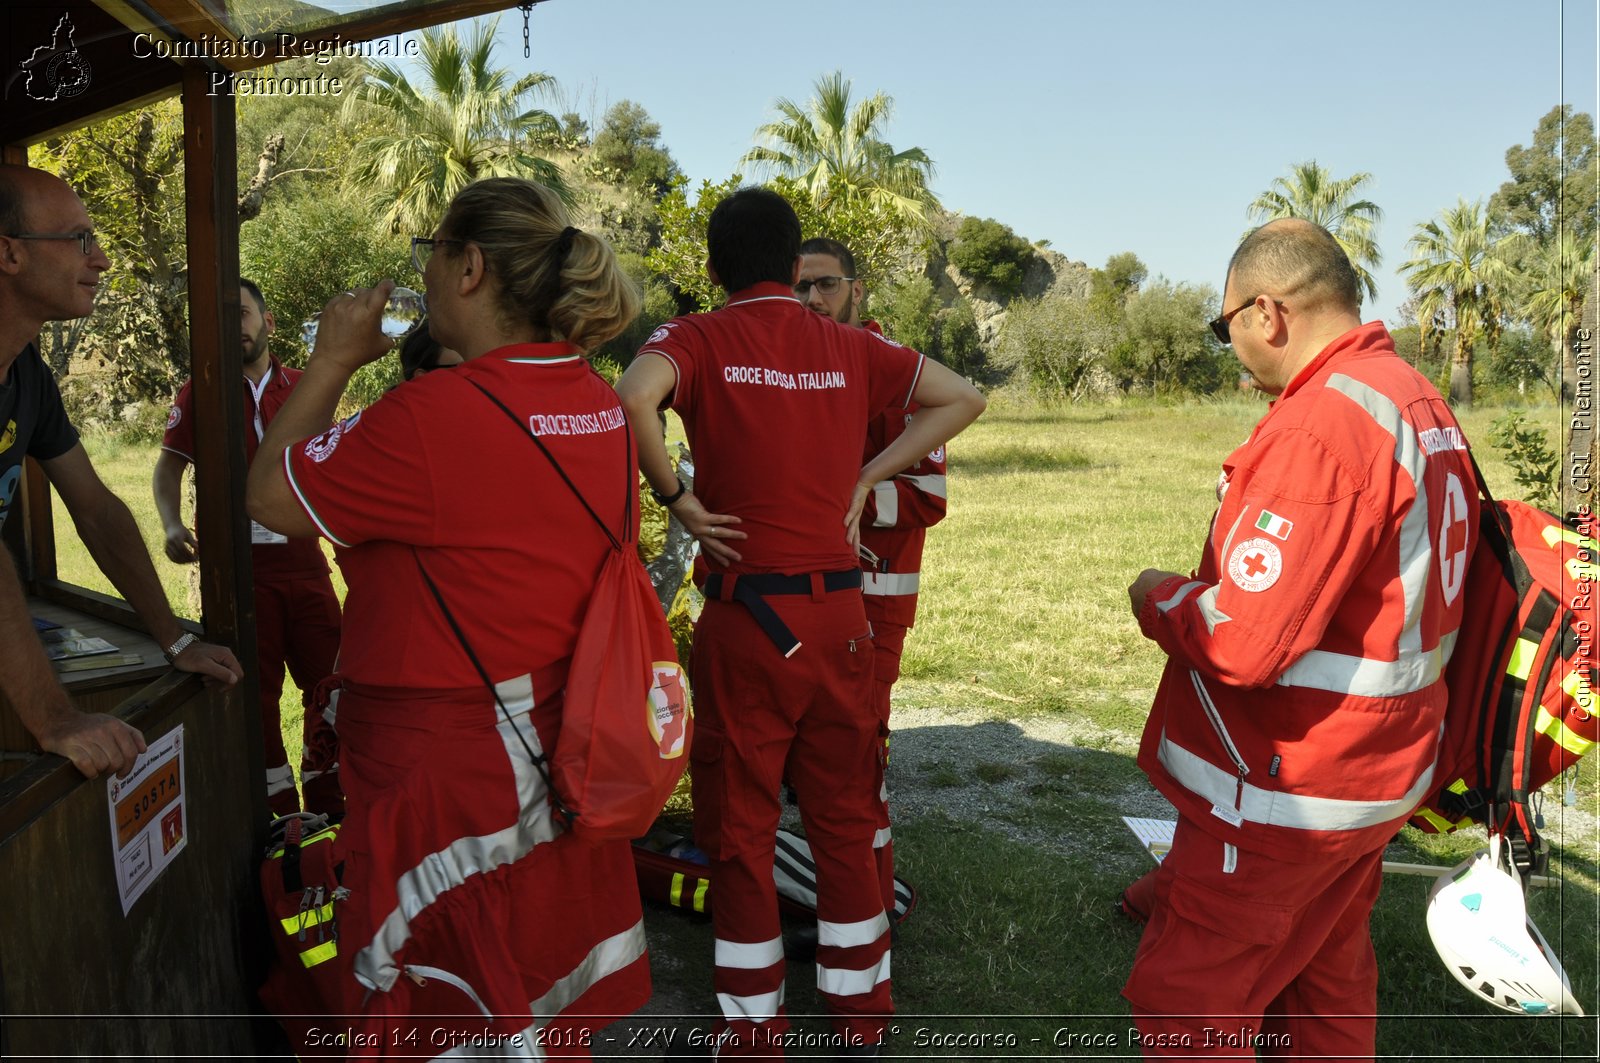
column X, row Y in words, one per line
column 708, row 788
column 1207, row 952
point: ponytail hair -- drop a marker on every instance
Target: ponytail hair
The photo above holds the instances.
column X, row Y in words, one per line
column 551, row 275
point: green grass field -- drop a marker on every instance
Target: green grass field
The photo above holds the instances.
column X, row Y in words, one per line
column 1024, row 615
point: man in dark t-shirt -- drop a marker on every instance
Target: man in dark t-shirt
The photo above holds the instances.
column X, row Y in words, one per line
column 50, row 266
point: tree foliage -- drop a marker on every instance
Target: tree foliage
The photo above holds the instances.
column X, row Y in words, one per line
column 992, row 254
column 628, row 150
column 1057, row 345
column 1312, row 192
column 837, row 152
column 877, row 236
column 1553, row 180
column 462, row 120
column 1459, row 273
column 1167, row 344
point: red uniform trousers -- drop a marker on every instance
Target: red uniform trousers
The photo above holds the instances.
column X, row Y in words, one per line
column 297, row 627
column 503, row 930
column 1270, row 955
column 888, row 640
column 755, row 712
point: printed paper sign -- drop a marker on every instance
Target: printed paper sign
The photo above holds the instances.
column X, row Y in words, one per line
column 149, row 816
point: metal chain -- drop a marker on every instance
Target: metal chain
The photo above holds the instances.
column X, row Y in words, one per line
column 527, row 45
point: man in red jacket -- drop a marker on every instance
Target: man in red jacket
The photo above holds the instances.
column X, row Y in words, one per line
column 297, row 612
column 897, row 517
column 1297, row 722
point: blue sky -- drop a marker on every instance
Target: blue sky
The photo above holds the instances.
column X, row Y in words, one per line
column 1144, row 126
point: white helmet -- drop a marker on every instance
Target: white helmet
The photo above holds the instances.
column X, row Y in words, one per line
column 1478, row 920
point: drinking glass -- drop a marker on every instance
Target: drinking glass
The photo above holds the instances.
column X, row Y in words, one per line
column 400, row 315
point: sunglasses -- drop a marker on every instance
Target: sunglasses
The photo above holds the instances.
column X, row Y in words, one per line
column 825, row 285
column 1219, row 325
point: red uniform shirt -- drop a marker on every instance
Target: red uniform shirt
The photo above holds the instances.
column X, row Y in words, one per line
column 270, row 555
column 753, row 379
column 434, row 463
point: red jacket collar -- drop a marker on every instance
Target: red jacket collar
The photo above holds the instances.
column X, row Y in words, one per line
column 1364, row 339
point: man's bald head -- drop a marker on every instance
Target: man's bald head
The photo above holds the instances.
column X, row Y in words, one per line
column 1296, row 262
column 20, row 188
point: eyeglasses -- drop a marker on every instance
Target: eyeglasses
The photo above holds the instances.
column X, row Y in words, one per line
column 1219, row 326
column 825, row 285
column 422, row 249
column 88, row 240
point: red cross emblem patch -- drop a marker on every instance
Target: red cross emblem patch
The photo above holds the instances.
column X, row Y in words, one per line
column 1255, row 564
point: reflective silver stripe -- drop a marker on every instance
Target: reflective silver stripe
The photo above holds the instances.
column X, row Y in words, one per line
column 1416, row 550
column 760, row 1007
column 882, row 838
column 1277, row 809
column 843, row 982
column 461, row 859
column 1207, row 604
column 748, row 955
column 279, row 779
column 932, row 484
column 887, row 501
column 889, row 584
column 850, row 935
column 1344, row 674
column 1177, row 599
column 603, row 961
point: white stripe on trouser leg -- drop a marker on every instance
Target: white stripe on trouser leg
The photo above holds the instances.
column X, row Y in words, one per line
column 850, row 935
column 842, row 982
column 760, row 1007
column 882, row 838
column 279, row 779
column 749, row 955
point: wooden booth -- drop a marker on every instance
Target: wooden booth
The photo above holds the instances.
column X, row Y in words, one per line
column 175, row 973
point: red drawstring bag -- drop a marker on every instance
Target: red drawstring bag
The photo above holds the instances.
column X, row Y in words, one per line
column 626, row 720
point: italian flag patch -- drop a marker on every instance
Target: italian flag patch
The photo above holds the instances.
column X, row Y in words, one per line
column 1274, row 525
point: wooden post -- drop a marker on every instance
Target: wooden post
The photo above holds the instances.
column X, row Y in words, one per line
column 211, row 214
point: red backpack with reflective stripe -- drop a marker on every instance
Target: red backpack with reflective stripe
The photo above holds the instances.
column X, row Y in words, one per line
column 1522, row 677
column 308, row 979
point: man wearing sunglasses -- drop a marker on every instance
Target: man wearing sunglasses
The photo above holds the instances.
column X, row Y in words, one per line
column 898, row 513
column 50, row 267
column 297, row 612
column 1296, row 725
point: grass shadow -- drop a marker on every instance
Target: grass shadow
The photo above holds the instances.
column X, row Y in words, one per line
column 1015, row 457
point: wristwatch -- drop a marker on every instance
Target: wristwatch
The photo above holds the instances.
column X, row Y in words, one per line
column 667, row 500
column 185, row 640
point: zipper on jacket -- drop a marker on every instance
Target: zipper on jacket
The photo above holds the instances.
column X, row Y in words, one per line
column 1233, row 816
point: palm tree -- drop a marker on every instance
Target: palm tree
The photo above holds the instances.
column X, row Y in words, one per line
column 834, row 150
column 463, row 119
column 1558, row 273
column 1311, row 192
column 1459, row 273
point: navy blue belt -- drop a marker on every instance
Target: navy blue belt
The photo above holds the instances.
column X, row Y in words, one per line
column 752, row 589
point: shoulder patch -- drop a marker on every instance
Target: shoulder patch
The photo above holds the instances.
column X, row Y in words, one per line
column 174, row 415
column 320, row 447
column 1255, row 564
column 659, row 334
